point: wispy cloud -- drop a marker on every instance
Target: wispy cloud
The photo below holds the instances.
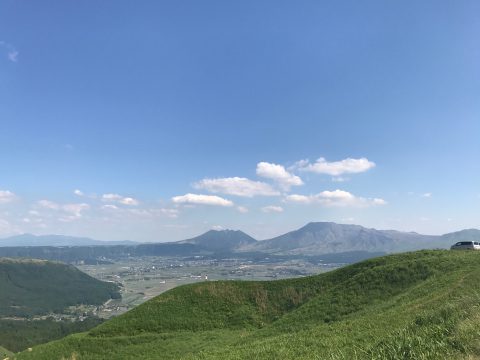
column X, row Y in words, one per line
column 272, row 209
column 124, row 200
column 67, row 212
column 336, row 168
column 336, row 198
column 197, row 199
column 7, row 196
column 237, row 186
column 12, row 52
column 7, row 228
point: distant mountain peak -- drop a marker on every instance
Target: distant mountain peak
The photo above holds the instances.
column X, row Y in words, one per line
column 222, row 240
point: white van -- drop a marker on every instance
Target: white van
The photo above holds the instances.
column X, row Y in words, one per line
column 466, row 245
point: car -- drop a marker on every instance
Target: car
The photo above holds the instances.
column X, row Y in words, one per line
column 466, row 245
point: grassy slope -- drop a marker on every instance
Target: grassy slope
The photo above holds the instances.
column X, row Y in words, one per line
column 422, row 305
column 4, row 353
column 30, row 287
column 19, row 335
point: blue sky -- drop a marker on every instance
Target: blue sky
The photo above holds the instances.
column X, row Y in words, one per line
column 172, row 118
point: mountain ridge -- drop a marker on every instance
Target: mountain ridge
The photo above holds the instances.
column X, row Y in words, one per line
column 313, row 239
column 27, row 239
column 317, row 238
column 221, row 240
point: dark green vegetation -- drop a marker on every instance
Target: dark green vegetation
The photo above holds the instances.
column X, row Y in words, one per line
column 30, row 288
column 17, row 335
column 37, row 287
column 422, row 305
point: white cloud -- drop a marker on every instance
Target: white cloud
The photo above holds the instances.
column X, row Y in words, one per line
column 78, row 192
column 242, row 209
column 70, row 211
column 236, row 186
column 427, row 195
column 337, row 168
column 278, row 173
column 272, row 209
column 339, row 179
column 111, row 197
column 109, row 207
column 129, row 201
column 378, row 201
column 47, row 204
column 143, row 213
column 120, row 199
column 6, row 196
column 218, row 227
column 336, row 198
column 170, row 213
column 75, row 209
column 195, row 199
column 6, row 228
column 12, row 53
column 299, row 198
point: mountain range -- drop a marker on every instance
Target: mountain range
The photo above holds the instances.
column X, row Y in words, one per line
column 316, row 238
column 57, row 240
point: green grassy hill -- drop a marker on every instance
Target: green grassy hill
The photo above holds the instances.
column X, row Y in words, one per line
column 421, row 305
column 36, row 287
column 4, row 353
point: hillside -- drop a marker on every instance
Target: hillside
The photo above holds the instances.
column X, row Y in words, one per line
column 36, row 287
column 462, row 235
column 421, row 305
column 327, row 237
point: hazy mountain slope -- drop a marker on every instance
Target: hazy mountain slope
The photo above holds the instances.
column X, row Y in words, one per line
column 221, row 240
column 30, row 287
column 408, row 306
column 327, row 237
column 313, row 239
column 56, row 240
column 462, row 235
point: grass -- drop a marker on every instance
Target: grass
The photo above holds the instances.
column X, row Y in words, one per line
column 4, row 353
column 421, row 305
column 18, row 335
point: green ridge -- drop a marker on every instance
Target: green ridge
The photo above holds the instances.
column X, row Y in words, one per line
column 420, row 305
column 37, row 287
column 30, row 288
